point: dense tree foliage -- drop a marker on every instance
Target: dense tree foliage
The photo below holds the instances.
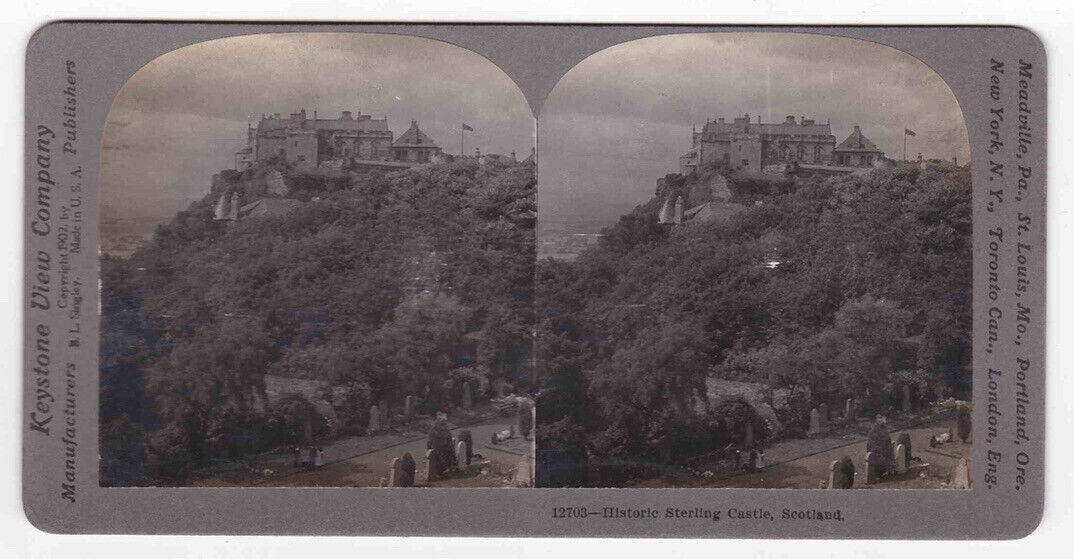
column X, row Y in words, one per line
column 381, row 286
column 826, row 288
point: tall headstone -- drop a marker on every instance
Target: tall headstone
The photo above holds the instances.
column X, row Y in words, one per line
column 849, row 412
column 374, row 420
column 430, row 466
column 900, row 459
column 460, row 455
column 906, row 398
column 395, row 473
column 408, row 406
column 823, row 411
column 834, row 475
column 870, row 469
column 814, row 422
column 467, row 397
column 961, row 479
column 467, row 438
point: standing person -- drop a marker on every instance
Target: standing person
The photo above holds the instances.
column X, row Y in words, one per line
column 298, row 456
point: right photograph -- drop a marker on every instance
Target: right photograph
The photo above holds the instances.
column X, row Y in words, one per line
column 755, row 268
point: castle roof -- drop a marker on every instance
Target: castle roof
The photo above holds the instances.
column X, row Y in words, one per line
column 858, row 143
column 716, row 131
column 362, row 123
column 414, row 137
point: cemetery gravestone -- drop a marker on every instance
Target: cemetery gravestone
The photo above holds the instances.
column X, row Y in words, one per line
column 374, row 420
column 395, row 473
column 430, row 466
column 460, row 455
column 849, row 411
column 468, row 439
column 904, row 440
column 834, row 475
column 870, row 469
column 814, row 422
column 900, row 459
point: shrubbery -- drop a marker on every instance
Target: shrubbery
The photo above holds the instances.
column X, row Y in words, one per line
column 835, row 288
column 391, row 284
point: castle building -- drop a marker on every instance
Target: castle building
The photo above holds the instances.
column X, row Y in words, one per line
column 743, row 144
column 414, row 146
column 857, row 151
column 306, row 143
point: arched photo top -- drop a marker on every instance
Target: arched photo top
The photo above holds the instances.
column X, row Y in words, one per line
column 625, row 116
column 185, row 115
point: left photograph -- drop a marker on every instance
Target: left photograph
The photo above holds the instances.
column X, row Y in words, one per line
column 317, row 260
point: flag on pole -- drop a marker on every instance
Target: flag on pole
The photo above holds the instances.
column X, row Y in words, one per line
column 910, row 132
column 467, row 127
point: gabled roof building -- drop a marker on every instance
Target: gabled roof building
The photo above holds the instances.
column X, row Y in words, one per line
column 857, row 151
column 414, row 146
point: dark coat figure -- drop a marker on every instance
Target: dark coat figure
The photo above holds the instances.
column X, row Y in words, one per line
column 846, row 467
column 298, row 457
column 439, row 442
column 879, row 444
column 409, row 468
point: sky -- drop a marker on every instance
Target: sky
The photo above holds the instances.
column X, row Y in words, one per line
column 181, row 118
column 619, row 120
